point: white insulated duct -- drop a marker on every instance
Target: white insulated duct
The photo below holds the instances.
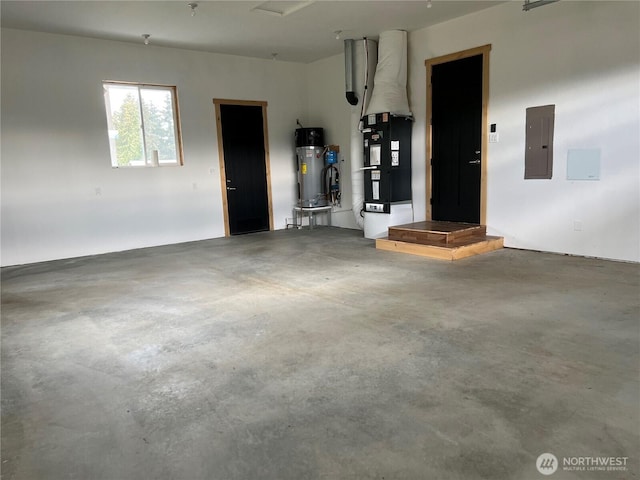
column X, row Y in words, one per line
column 362, row 55
column 390, row 84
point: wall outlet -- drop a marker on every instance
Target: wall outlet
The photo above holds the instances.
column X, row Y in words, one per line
column 494, row 137
column 577, row 225
column 98, row 191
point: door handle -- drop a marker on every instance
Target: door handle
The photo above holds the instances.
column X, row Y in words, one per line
column 474, row 162
column 231, row 188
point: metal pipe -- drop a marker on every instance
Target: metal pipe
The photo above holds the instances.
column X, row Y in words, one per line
column 349, row 72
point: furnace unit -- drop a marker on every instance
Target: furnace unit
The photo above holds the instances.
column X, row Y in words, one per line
column 387, row 161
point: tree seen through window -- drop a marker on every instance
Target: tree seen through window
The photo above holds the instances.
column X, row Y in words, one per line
column 142, row 125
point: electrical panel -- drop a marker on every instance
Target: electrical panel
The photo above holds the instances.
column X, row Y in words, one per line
column 387, row 161
column 538, row 157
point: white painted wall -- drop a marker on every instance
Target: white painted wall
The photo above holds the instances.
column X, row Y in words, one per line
column 581, row 56
column 584, row 57
column 55, row 153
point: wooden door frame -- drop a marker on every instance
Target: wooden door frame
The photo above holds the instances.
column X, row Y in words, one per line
column 429, row 64
column 267, row 162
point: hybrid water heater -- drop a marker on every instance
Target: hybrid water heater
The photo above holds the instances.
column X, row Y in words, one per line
column 310, row 164
column 387, row 161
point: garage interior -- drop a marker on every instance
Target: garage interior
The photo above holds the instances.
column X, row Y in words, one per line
column 143, row 339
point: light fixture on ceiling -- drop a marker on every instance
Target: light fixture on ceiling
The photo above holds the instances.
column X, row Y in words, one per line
column 274, row 56
column 146, row 38
column 338, row 32
column 193, row 7
column 528, row 5
column 429, row 4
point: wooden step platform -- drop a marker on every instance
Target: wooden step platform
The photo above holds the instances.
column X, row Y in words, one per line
column 443, row 240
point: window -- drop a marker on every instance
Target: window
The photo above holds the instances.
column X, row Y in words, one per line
column 143, row 125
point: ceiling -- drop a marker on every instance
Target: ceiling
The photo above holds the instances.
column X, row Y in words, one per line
column 302, row 31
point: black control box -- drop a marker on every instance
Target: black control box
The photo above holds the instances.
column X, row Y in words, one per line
column 387, row 161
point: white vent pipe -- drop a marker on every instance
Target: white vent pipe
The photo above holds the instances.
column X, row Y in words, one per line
column 364, row 55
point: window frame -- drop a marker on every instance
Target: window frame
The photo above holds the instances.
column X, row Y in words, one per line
column 173, row 89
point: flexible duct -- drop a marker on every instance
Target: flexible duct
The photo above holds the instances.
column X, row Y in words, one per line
column 364, row 60
column 390, row 83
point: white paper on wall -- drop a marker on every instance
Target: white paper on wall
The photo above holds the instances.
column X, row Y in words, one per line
column 583, row 164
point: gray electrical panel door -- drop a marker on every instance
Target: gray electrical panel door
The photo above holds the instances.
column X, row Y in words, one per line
column 538, row 157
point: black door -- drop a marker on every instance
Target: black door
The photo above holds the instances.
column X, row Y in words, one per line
column 456, row 136
column 245, row 168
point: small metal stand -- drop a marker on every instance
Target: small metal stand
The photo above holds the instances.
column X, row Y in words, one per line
column 311, row 213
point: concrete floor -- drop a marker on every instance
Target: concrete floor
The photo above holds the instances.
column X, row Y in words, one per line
column 310, row 355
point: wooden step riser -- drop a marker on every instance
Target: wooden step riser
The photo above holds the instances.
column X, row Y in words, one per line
column 442, row 252
column 429, row 236
column 438, row 241
column 417, row 237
